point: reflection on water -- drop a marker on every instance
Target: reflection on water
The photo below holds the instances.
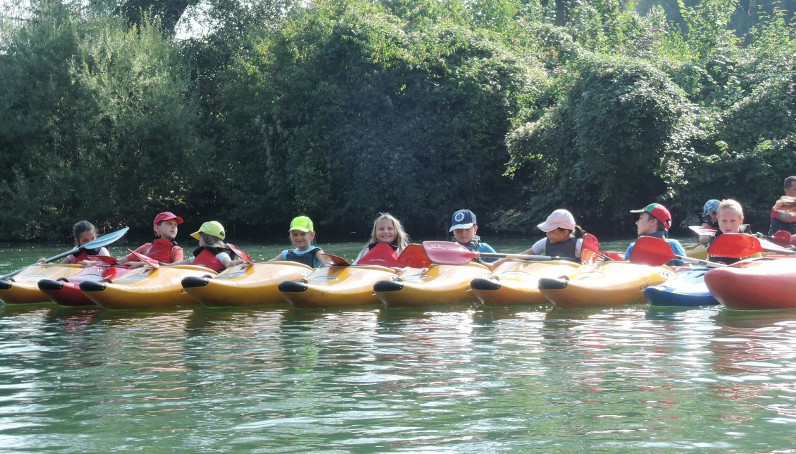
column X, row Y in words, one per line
column 449, row 380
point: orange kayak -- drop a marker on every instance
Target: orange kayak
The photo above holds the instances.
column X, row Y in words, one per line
column 23, row 288
column 759, row 283
column 516, row 282
column 433, row 286
column 336, row 286
column 246, row 285
column 604, row 284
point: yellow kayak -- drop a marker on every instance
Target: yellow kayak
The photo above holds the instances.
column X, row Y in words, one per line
column 336, row 286
column 516, row 282
column 433, row 286
column 254, row 284
column 697, row 251
column 23, row 288
column 146, row 288
column 604, row 284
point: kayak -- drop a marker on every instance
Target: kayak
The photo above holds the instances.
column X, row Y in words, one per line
column 697, row 251
column 515, row 282
column 436, row 285
column 66, row 291
column 336, row 286
column 146, row 287
column 23, row 288
column 604, row 284
column 759, row 283
column 245, row 285
column 687, row 288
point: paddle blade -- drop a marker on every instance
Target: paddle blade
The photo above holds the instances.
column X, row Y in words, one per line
column 649, row 250
column 735, row 245
column 701, row 231
column 414, row 256
column 381, row 254
column 148, row 260
column 590, row 249
column 448, row 253
column 244, row 256
column 336, row 259
column 781, row 238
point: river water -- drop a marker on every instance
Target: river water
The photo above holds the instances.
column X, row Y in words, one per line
column 466, row 379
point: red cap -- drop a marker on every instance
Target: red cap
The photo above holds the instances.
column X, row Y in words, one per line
column 165, row 216
column 657, row 211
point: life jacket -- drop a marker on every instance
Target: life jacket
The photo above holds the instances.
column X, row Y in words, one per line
column 308, row 258
column 83, row 255
column 206, row 256
column 160, row 250
column 566, row 249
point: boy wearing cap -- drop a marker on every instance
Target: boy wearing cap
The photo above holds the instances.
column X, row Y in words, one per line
column 464, row 227
column 163, row 248
column 302, row 234
column 655, row 220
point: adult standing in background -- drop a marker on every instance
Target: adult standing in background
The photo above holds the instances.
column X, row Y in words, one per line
column 781, row 218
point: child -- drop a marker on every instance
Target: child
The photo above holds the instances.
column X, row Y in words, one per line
column 564, row 238
column 730, row 217
column 163, row 249
column 212, row 251
column 85, row 232
column 464, row 227
column 655, row 220
column 302, row 235
column 709, row 219
column 386, row 229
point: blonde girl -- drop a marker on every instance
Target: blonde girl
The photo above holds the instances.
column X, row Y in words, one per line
column 386, row 229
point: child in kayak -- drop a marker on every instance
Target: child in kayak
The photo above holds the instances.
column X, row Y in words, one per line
column 386, row 229
column 730, row 216
column 655, row 220
column 563, row 237
column 464, row 227
column 710, row 219
column 212, row 251
column 163, row 249
column 85, row 232
column 302, row 234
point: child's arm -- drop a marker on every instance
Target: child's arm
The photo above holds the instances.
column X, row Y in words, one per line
column 280, row 256
column 321, row 259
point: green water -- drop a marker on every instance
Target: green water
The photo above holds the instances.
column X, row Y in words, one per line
column 625, row 379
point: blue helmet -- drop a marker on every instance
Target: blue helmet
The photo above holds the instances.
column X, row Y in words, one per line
column 711, row 206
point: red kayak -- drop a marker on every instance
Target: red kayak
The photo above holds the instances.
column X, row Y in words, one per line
column 760, row 283
column 66, row 291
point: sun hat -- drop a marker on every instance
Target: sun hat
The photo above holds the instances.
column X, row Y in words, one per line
column 302, row 223
column 558, row 219
column 462, row 219
column 711, row 206
column 166, row 216
column 212, row 228
column 657, row 211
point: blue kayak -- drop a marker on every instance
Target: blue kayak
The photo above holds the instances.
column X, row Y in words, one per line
column 685, row 289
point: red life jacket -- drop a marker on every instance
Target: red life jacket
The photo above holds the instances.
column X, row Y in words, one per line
column 160, row 250
column 208, row 258
column 82, row 255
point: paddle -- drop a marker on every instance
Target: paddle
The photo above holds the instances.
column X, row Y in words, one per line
column 104, row 240
column 244, row 256
column 702, row 231
column 414, row 256
column 653, row 251
column 381, row 254
column 591, row 247
column 148, row 260
column 738, row 245
column 782, row 238
column 336, row 260
column 449, row 253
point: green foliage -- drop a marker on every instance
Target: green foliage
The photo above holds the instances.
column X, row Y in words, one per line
column 611, row 143
column 104, row 132
column 358, row 115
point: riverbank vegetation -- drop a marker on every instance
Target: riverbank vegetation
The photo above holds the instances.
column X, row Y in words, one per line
column 253, row 112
